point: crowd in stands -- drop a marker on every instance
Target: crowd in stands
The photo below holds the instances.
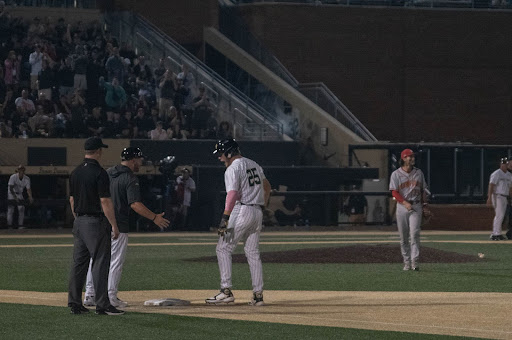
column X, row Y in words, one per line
column 74, row 80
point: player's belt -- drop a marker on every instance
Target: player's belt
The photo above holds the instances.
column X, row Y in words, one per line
column 502, row 195
column 252, row 205
column 415, row 202
column 91, row 215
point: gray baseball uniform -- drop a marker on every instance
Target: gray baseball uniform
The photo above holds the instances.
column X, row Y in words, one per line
column 18, row 186
column 502, row 181
column 410, row 186
column 246, row 177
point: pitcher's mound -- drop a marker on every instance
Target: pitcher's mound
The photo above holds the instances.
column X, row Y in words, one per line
column 351, row 254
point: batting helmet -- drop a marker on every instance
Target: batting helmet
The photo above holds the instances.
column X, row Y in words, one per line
column 504, row 160
column 131, row 153
column 226, row 146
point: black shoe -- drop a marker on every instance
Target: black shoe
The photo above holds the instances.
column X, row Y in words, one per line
column 495, row 237
column 501, row 238
column 509, row 234
column 111, row 310
column 257, row 299
column 75, row 309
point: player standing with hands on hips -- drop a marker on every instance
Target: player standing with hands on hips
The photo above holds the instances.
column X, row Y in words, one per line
column 500, row 189
column 247, row 193
column 125, row 191
column 409, row 188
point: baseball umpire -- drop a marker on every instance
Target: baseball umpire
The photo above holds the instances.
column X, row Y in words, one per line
column 124, row 187
column 248, row 192
column 90, row 204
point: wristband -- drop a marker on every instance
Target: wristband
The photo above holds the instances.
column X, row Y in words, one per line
column 153, row 220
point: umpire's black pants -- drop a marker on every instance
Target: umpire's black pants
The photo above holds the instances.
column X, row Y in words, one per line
column 91, row 240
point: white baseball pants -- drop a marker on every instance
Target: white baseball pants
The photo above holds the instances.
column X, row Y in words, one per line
column 117, row 258
column 10, row 214
column 409, row 226
column 246, row 222
column 499, row 203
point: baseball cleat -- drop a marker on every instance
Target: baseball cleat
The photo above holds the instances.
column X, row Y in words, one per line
column 111, row 310
column 509, row 235
column 79, row 310
column 416, row 269
column 407, row 266
column 225, row 296
column 118, row 303
column 89, row 301
column 257, row 299
column 497, row 238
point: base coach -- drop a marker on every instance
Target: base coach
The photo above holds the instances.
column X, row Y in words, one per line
column 92, row 207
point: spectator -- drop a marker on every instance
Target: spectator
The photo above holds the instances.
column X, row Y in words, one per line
column 167, row 86
column 115, row 66
column 80, row 62
column 25, row 105
column 189, row 82
column 160, row 71
column 211, row 129
column 12, row 69
column 46, row 79
column 109, row 130
column 36, row 61
column 95, row 70
column 126, row 125
column 115, row 96
column 40, row 124
column 142, row 66
column 201, row 114
column 224, row 131
column 78, row 113
column 23, row 131
column 95, row 124
column 65, row 77
column 176, row 131
column 159, row 133
column 142, row 124
column 5, row 130
column 126, row 51
column 49, row 107
column 9, row 105
column 3, row 88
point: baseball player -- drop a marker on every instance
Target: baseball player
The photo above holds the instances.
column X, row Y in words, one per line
column 409, row 188
column 17, row 183
column 247, row 193
column 124, row 187
column 500, row 189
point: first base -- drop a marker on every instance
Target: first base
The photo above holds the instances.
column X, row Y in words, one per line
column 166, row 302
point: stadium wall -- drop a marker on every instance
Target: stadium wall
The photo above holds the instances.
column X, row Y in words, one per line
column 408, row 74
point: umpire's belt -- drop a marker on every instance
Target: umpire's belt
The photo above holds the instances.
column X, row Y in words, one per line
column 252, row 205
column 90, row 215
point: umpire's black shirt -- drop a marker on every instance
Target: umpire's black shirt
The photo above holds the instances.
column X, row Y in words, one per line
column 124, row 186
column 88, row 182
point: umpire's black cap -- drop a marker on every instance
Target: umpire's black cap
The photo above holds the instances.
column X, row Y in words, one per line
column 226, row 146
column 131, row 153
column 94, row 143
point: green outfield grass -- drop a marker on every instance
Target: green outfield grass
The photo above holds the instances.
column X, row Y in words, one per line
column 164, row 267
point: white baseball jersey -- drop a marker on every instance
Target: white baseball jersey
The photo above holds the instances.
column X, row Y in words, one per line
column 246, row 177
column 409, row 185
column 189, row 185
column 19, row 185
column 502, row 181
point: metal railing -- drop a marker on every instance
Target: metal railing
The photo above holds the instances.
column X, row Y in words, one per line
column 257, row 131
column 149, row 40
column 322, row 96
column 89, row 4
column 494, row 4
column 233, row 26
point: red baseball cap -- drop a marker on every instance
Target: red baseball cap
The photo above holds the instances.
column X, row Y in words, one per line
column 406, row 153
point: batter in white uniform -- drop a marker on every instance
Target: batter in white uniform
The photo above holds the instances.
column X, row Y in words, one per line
column 409, row 188
column 124, row 188
column 500, row 189
column 17, row 183
column 247, row 193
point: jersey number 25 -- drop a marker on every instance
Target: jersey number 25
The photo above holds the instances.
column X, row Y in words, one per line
column 253, row 178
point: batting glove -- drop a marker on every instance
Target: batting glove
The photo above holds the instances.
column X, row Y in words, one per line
column 223, row 226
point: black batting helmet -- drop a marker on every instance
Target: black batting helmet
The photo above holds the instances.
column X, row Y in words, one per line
column 131, row 153
column 226, row 146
